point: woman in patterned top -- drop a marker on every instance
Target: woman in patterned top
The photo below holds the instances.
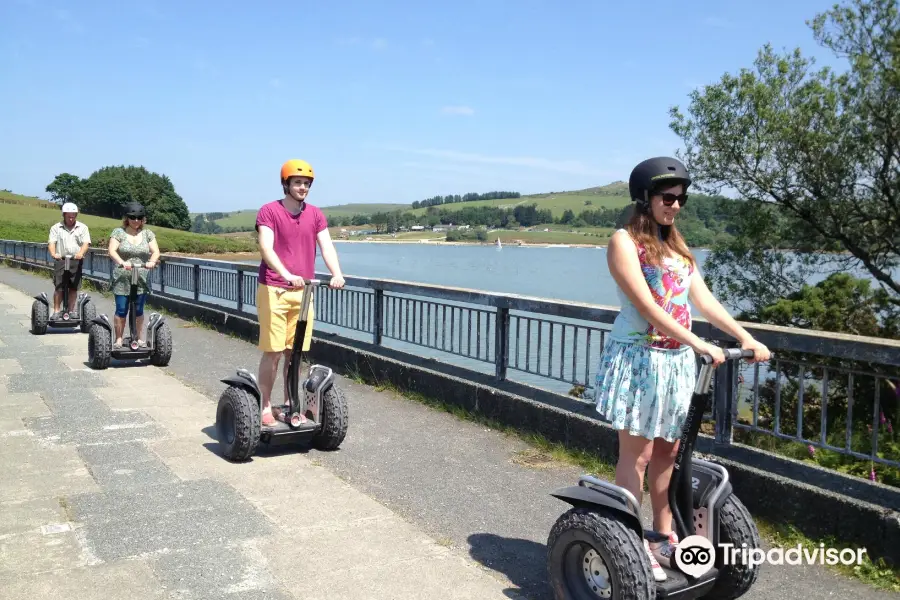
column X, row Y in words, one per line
column 647, row 371
column 126, row 243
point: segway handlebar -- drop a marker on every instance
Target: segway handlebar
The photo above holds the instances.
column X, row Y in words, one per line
column 730, row 354
column 136, row 264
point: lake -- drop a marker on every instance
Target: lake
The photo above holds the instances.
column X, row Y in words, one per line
column 566, row 273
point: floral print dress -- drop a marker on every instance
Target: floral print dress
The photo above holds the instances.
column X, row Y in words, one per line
column 128, row 250
column 645, row 379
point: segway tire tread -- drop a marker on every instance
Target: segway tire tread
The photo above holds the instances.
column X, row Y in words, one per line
column 620, row 547
column 88, row 314
column 99, row 344
column 40, row 316
column 737, row 527
column 246, row 425
column 336, row 420
column 162, row 347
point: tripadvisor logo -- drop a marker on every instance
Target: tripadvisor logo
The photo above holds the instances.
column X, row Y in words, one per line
column 695, row 555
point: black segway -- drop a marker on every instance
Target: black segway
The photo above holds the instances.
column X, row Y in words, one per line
column 595, row 549
column 159, row 336
column 41, row 318
column 238, row 418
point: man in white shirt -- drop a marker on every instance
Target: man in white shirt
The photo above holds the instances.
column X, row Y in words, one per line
column 71, row 237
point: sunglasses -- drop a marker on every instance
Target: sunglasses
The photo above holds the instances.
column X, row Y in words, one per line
column 668, row 199
column 135, row 218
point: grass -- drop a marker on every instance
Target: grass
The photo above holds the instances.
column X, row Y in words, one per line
column 32, row 222
column 247, row 218
column 11, row 198
column 877, row 574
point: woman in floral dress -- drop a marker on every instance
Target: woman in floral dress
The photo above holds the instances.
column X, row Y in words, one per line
column 647, row 371
column 131, row 242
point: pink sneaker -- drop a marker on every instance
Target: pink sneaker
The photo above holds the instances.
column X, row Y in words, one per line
column 663, row 548
column 658, row 573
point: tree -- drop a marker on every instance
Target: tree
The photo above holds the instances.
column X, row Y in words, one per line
column 814, row 155
column 63, row 187
column 839, row 303
column 106, row 191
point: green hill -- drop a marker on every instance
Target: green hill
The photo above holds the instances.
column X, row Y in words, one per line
column 246, row 219
column 7, row 197
column 29, row 219
column 614, row 195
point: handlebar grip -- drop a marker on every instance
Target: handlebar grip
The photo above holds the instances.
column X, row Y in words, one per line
column 736, row 353
column 731, row 354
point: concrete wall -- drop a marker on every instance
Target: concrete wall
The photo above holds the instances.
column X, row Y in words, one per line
column 817, row 501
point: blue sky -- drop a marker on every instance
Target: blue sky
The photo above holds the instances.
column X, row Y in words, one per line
column 390, row 101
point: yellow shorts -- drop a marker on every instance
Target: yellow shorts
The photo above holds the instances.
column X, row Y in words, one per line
column 278, row 310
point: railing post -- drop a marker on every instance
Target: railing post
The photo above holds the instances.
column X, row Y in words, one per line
column 240, row 290
column 378, row 317
column 196, row 282
column 162, row 276
column 725, row 399
column 501, row 342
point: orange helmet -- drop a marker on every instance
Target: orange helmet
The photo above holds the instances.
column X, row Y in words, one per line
column 296, row 168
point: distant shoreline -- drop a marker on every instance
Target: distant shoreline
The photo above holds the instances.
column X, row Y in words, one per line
column 445, row 243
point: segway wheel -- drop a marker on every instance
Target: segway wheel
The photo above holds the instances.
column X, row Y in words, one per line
column 40, row 316
column 162, row 346
column 99, row 343
column 737, row 527
column 237, row 423
column 593, row 554
column 88, row 314
column 335, row 420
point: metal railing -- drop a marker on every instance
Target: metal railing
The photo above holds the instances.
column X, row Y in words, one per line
column 822, row 391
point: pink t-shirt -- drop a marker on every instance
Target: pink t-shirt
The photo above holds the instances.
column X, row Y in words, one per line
column 295, row 240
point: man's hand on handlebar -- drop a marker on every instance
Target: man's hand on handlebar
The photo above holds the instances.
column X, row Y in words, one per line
column 295, row 281
column 149, row 264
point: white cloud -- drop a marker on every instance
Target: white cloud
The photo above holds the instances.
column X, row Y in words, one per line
column 575, row 167
column 467, row 111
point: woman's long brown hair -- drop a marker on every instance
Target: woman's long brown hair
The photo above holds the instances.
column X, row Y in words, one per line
column 643, row 229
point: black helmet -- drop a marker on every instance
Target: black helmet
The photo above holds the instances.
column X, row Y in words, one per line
column 134, row 208
column 652, row 173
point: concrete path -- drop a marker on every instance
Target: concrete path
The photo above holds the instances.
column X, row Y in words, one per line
column 415, row 504
column 109, row 485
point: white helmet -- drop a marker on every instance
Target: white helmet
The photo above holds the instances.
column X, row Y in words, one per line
column 69, row 207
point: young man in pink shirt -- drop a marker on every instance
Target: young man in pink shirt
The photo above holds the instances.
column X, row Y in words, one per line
column 289, row 230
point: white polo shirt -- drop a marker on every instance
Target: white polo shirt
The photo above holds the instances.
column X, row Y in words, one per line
column 69, row 241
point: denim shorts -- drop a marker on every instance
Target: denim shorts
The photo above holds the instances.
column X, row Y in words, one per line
column 122, row 305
